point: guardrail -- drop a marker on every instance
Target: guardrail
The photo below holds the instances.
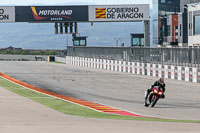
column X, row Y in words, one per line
column 188, row 57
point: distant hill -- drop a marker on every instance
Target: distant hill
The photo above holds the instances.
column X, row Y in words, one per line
column 41, row 36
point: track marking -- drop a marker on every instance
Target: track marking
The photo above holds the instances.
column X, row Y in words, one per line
column 83, row 103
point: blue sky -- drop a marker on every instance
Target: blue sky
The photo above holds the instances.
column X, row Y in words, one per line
column 51, row 2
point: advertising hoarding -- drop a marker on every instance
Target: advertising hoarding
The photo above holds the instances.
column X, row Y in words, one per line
column 113, row 13
column 51, row 13
column 104, row 13
column 7, row 14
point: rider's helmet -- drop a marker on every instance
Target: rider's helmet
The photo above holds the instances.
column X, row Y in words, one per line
column 161, row 80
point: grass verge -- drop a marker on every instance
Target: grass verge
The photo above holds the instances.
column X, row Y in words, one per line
column 73, row 109
column 57, row 62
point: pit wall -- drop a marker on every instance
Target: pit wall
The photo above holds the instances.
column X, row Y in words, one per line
column 157, row 70
column 23, row 57
column 60, row 59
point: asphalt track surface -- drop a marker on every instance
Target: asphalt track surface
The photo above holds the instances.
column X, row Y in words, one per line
column 120, row 90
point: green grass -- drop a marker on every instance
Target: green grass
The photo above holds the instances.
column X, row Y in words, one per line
column 73, row 109
column 57, row 62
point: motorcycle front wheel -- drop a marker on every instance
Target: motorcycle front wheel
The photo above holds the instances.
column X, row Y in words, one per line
column 154, row 100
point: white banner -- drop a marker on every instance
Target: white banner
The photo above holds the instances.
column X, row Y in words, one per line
column 113, row 13
column 108, row 65
column 154, row 70
column 86, row 62
column 159, row 70
column 194, row 75
column 98, row 63
column 101, row 64
column 68, row 60
column 129, row 67
column 92, row 63
column 166, row 71
column 143, row 69
column 172, row 72
column 187, row 78
column 112, row 65
column 116, row 66
column 179, row 73
column 7, row 14
column 148, row 69
column 81, row 61
column 120, row 66
column 78, row 61
column 124, row 66
column 138, row 68
column 104, row 64
column 133, row 68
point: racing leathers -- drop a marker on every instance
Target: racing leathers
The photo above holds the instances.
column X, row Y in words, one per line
column 157, row 83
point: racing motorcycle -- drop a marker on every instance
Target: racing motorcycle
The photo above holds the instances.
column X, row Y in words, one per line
column 154, row 96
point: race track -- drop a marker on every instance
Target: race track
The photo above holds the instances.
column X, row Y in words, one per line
column 120, row 90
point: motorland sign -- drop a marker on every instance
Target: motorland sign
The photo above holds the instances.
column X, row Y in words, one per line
column 7, row 14
column 106, row 13
column 47, row 13
column 51, row 13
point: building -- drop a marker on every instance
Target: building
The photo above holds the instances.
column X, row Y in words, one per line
column 171, row 38
column 193, row 22
column 183, row 28
column 166, row 25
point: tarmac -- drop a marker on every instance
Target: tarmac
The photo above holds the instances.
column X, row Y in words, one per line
column 125, row 91
column 114, row 89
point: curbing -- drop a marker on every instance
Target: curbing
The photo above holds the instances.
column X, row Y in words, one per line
column 87, row 104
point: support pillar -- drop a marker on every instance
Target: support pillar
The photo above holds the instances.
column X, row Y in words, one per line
column 147, row 33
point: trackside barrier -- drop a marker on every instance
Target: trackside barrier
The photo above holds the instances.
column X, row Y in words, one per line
column 159, row 70
column 189, row 74
column 60, row 59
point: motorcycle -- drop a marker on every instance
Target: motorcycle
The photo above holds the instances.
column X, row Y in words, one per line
column 154, row 96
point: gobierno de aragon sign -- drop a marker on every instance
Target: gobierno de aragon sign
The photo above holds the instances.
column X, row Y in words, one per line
column 7, row 14
column 106, row 13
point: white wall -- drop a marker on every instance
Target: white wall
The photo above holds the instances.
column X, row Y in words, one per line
column 157, row 70
column 60, row 59
column 194, row 39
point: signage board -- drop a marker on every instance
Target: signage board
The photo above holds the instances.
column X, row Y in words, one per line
column 7, row 14
column 120, row 13
column 51, row 13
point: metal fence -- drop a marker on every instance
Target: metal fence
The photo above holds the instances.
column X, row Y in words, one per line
column 169, row 56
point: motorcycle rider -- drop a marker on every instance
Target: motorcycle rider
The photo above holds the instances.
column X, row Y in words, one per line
column 160, row 83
